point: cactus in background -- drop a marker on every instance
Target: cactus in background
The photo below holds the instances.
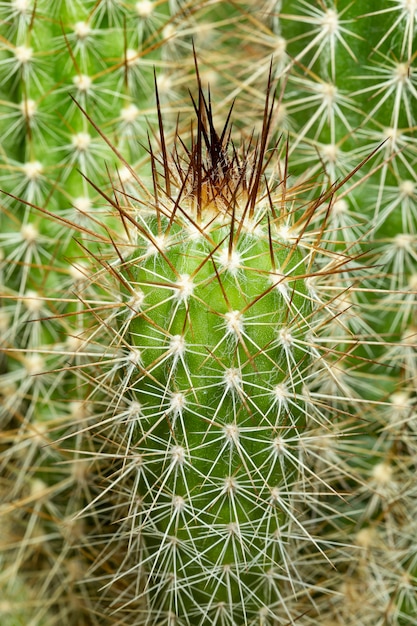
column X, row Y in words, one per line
column 352, row 88
column 209, row 368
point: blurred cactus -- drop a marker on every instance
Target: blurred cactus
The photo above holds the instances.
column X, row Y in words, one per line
column 208, row 335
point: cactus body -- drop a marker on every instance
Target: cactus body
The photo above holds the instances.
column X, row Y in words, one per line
column 211, row 434
column 209, row 439
column 217, row 303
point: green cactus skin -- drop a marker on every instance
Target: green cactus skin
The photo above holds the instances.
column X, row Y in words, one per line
column 98, row 526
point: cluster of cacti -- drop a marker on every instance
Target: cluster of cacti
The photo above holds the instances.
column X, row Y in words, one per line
column 207, row 327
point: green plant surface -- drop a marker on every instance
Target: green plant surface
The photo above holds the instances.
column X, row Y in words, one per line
column 208, row 337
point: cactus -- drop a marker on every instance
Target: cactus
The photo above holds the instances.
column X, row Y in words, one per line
column 208, row 328
column 207, row 351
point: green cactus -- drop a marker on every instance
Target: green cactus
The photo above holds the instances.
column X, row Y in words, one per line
column 208, row 363
column 219, row 295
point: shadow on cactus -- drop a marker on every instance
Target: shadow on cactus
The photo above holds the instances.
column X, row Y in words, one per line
column 198, row 349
